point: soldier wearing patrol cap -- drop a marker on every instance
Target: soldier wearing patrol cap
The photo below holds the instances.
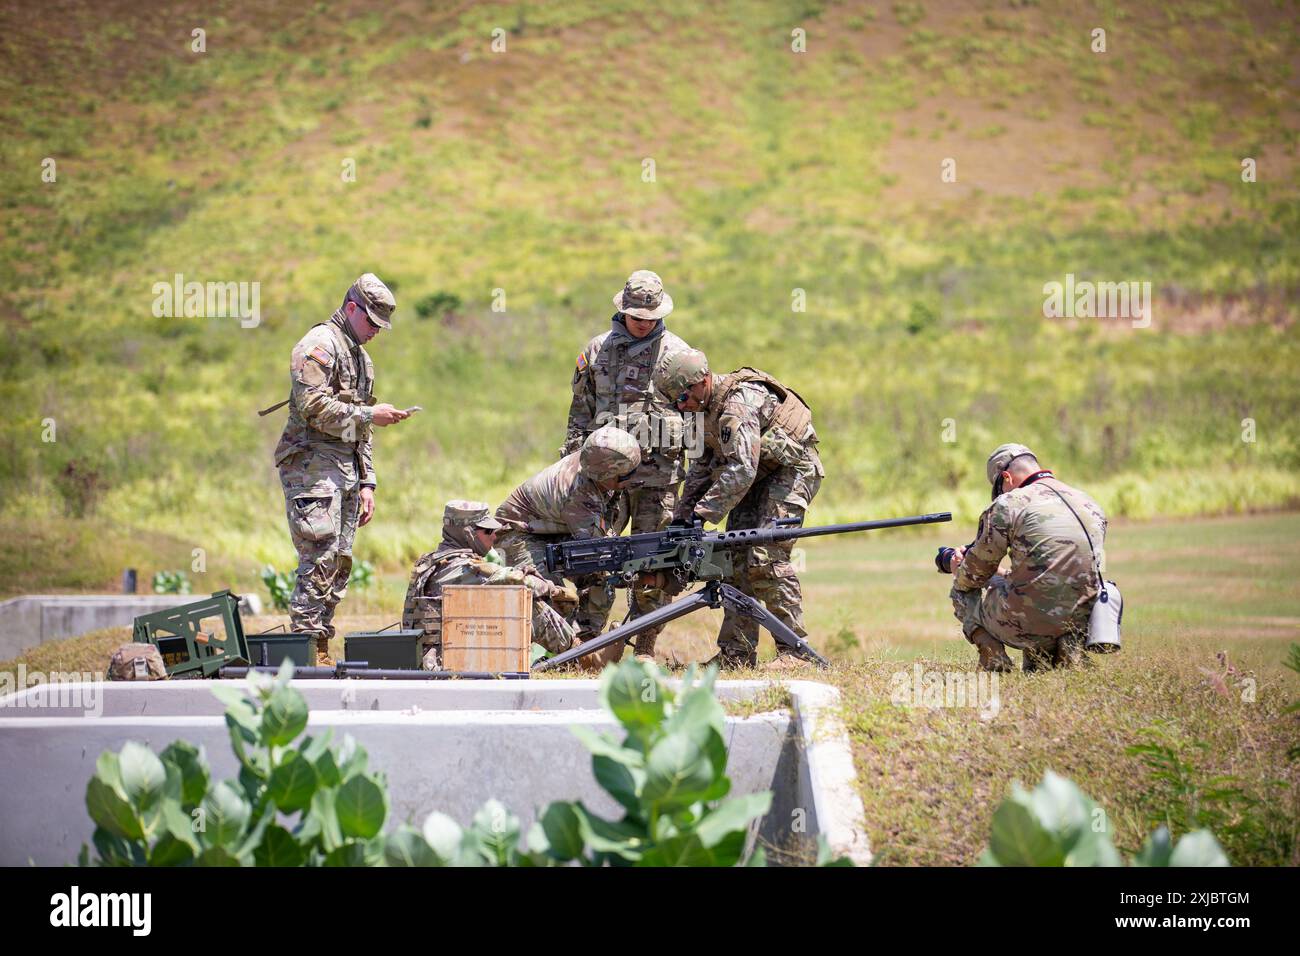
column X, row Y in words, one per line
column 468, row 533
column 1055, row 536
column 760, row 462
column 324, row 454
column 577, row 497
column 612, row 386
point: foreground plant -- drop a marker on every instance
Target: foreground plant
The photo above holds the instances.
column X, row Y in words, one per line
column 1056, row 824
column 316, row 804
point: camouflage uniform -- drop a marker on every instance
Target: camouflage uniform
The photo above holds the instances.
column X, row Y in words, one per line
column 760, row 462
column 1042, row 605
column 613, row 384
column 457, row 560
column 557, row 503
column 324, row 457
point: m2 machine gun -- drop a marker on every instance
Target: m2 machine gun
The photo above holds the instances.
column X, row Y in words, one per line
column 685, row 554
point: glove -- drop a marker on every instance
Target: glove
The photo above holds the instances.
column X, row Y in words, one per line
column 565, row 598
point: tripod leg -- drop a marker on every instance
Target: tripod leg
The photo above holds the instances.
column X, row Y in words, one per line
column 743, row 604
column 705, row 597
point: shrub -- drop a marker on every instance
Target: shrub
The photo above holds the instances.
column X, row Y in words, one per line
column 280, row 585
column 171, row 582
column 316, row 804
column 1056, row 824
column 437, row 305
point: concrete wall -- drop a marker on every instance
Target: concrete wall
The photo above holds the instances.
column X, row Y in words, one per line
column 444, row 746
column 35, row 618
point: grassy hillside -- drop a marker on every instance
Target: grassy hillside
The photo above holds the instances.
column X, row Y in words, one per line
column 523, row 171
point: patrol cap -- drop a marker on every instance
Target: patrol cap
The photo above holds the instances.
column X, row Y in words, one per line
column 643, row 296
column 1002, row 457
column 378, row 301
column 609, row 452
column 680, row 371
column 466, row 514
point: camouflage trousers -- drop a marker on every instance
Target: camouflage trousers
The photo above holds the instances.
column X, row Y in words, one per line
column 594, row 601
column 322, row 499
column 992, row 608
column 766, row 573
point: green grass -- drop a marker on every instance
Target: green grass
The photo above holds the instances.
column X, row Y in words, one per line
column 930, row 778
column 775, row 171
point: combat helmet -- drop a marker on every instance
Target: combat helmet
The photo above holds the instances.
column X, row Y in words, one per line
column 680, row 371
column 609, row 452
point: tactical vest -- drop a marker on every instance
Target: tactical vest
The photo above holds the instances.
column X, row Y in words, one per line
column 622, row 375
column 792, row 415
column 422, row 611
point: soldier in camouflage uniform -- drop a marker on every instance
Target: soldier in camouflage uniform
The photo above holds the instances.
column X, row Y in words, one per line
column 468, row 533
column 577, row 497
column 1051, row 532
column 324, row 454
column 612, row 385
column 760, row 462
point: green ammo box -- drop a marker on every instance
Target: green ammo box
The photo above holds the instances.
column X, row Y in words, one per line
column 385, row 650
column 273, row 648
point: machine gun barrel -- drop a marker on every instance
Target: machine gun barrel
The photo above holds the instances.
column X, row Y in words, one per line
column 788, row 529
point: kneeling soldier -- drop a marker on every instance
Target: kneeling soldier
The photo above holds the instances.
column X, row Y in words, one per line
column 468, row 533
column 1055, row 535
column 760, row 462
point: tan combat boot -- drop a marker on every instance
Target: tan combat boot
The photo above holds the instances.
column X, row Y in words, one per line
column 644, row 649
column 323, row 658
column 993, row 656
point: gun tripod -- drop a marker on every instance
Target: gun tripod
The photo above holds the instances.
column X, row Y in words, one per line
column 715, row 594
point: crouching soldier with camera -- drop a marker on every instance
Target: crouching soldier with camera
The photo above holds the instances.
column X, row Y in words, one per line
column 1054, row 535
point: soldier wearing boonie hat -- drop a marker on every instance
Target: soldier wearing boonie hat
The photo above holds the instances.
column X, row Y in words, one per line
column 468, row 534
column 1055, row 535
column 324, row 455
column 612, row 386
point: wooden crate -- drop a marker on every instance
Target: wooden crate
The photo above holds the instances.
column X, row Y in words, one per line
column 486, row 628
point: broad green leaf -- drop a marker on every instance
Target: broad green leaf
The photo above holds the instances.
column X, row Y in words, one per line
column 444, row 836
column 143, row 775
column 321, row 822
column 634, row 694
column 192, row 764
column 677, row 773
column 169, row 851
column 535, row 653
column 1061, row 807
column 622, row 840
column 292, row 783
column 225, row 813
column 1199, row 848
column 563, row 830
column 230, row 697
column 407, row 847
column 351, row 758
column 759, row 857
column 349, row 854
column 732, row 816
column 361, row 806
column 1018, row 839
column 216, row 856
column 601, row 745
column 497, row 830
column 619, row 781
column 284, row 718
column 111, row 810
column 278, row 848
column 1157, row 850
column 1093, row 849
column 113, row 850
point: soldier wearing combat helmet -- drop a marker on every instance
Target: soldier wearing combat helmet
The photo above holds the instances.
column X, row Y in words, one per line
column 324, row 455
column 612, row 385
column 1055, row 536
column 577, row 497
column 760, row 462
column 468, row 534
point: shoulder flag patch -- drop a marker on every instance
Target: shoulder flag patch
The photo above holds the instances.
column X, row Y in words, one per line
column 582, row 362
column 321, row 356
